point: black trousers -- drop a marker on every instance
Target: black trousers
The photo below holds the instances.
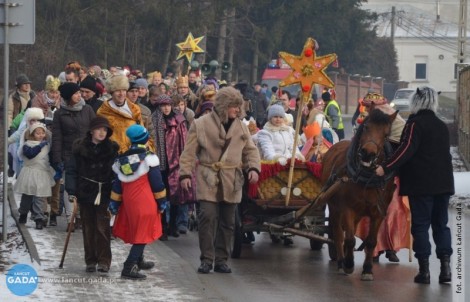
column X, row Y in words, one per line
column 430, row 210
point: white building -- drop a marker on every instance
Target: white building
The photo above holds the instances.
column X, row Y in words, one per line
column 426, row 45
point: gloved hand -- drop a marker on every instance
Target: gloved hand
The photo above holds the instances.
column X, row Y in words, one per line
column 162, row 205
column 58, row 166
column 282, row 160
column 114, row 207
column 57, row 175
column 72, row 198
column 43, row 143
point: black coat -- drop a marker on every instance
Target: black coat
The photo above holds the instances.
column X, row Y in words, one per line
column 88, row 165
column 67, row 126
column 423, row 158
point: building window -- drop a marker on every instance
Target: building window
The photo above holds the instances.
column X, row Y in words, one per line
column 420, row 71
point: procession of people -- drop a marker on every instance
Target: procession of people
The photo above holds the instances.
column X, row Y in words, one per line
column 152, row 150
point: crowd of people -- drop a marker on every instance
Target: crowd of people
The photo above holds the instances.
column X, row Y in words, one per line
column 153, row 149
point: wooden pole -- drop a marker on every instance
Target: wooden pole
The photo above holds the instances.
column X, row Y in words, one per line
column 304, row 100
column 69, row 231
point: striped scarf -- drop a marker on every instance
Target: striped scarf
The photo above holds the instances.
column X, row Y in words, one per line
column 159, row 123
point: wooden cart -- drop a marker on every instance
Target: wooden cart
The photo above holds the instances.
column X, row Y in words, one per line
column 264, row 208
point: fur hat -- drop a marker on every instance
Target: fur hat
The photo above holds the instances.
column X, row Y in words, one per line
column 99, row 122
column 182, row 82
column 141, row 83
column 137, row 134
column 375, row 98
column 34, row 113
column 68, row 89
column 163, row 99
column 89, row 83
column 35, row 126
column 424, row 98
column 228, row 97
column 52, row 84
column 117, row 82
column 326, row 96
column 22, row 79
column 276, row 110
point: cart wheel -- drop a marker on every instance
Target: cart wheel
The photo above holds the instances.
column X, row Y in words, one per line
column 316, row 245
column 275, row 238
column 237, row 237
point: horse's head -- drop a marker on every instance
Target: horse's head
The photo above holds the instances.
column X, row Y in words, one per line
column 376, row 129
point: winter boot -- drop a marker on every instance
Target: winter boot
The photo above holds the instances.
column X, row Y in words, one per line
column 142, row 264
column 391, row 255
column 23, row 218
column 423, row 276
column 53, row 220
column 131, row 271
column 39, row 224
column 446, row 274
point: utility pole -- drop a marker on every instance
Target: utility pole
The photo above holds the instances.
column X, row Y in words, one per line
column 392, row 25
column 462, row 32
column 18, row 22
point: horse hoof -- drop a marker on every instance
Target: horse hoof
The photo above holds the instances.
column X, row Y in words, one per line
column 349, row 270
column 341, row 271
column 367, row 277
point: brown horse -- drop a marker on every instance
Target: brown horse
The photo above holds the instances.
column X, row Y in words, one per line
column 352, row 190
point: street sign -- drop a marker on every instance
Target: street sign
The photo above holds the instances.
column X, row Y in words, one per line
column 21, row 20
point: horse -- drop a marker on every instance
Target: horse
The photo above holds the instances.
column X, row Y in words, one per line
column 352, row 190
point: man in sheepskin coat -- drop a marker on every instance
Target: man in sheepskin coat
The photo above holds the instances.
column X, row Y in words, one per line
column 222, row 143
column 120, row 112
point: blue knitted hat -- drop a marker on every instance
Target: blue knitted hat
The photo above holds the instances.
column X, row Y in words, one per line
column 137, row 134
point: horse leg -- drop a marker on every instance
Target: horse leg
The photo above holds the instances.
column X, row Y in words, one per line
column 349, row 242
column 370, row 244
column 338, row 235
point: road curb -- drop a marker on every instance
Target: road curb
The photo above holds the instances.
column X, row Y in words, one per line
column 33, row 252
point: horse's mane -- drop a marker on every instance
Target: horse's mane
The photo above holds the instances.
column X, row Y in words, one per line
column 378, row 117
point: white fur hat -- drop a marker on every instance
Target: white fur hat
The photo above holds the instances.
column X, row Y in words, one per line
column 117, row 82
column 34, row 126
column 34, row 113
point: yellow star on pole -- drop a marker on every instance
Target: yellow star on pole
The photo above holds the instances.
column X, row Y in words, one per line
column 307, row 69
column 189, row 47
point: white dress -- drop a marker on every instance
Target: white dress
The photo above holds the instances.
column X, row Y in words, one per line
column 36, row 176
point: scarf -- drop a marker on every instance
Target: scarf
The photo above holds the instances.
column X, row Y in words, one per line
column 76, row 107
column 160, row 146
column 270, row 127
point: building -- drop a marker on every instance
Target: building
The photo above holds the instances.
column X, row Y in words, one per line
column 425, row 43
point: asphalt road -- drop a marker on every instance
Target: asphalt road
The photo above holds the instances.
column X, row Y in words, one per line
column 273, row 272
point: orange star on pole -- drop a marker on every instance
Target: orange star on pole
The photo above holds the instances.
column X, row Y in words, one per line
column 307, row 69
column 189, row 47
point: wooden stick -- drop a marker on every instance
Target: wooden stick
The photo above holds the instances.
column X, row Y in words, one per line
column 294, row 149
column 69, row 231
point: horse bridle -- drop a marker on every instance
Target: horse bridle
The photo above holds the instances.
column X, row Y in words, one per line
column 375, row 160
